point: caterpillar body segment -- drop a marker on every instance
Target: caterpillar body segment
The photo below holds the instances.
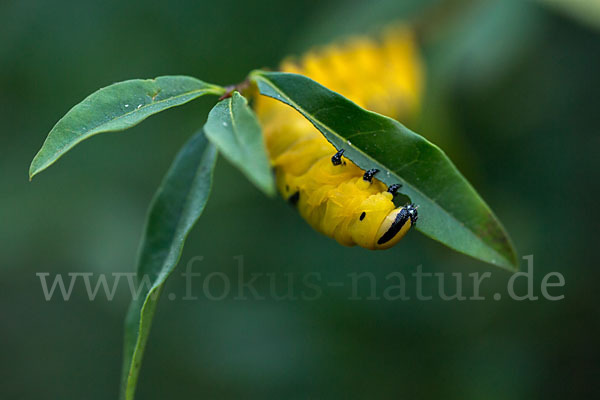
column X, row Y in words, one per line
column 333, row 194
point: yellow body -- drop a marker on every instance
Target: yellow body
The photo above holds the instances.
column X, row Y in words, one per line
column 383, row 76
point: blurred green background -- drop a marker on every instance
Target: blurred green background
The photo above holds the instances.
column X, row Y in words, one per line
column 512, row 96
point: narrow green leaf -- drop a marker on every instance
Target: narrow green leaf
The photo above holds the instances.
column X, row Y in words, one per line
column 450, row 210
column 234, row 129
column 176, row 207
column 117, row 107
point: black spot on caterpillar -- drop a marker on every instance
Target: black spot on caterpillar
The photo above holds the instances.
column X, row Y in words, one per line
column 293, row 199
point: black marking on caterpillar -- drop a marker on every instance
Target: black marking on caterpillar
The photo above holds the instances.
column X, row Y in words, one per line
column 409, row 211
column 293, row 199
column 414, row 215
column 393, row 189
column 368, row 176
column 362, row 216
column 337, row 157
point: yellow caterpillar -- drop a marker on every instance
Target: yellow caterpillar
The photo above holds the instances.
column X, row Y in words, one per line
column 334, row 195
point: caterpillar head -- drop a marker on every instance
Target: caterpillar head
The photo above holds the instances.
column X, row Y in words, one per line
column 380, row 230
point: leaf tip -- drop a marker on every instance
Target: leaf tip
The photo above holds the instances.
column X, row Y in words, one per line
column 36, row 167
column 510, row 264
column 33, row 171
column 514, row 261
column 265, row 184
column 270, row 190
column 511, row 259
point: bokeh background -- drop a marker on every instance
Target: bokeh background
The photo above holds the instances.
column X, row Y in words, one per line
column 512, row 96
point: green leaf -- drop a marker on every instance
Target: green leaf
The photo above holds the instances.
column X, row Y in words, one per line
column 176, row 207
column 117, row 107
column 587, row 11
column 450, row 210
column 234, row 129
